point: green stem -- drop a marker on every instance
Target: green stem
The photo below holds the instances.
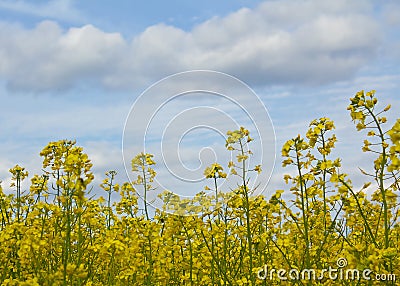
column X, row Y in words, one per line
column 18, row 182
column 303, row 191
column 190, row 253
column 247, row 211
column 145, row 187
column 381, row 179
column 366, row 223
column 324, row 181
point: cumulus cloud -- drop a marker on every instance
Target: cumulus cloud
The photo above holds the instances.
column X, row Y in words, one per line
column 281, row 42
column 47, row 58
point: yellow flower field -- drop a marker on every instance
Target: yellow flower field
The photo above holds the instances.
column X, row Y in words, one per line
column 330, row 233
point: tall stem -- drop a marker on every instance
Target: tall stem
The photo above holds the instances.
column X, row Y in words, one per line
column 380, row 179
column 247, row 211
column 145, row 187
column 303, row 191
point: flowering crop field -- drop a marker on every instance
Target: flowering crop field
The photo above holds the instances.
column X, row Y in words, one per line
column 329, row 233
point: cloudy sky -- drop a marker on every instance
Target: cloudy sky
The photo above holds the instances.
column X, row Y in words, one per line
column 84, row 70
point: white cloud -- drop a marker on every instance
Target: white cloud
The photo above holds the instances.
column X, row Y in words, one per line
column 45, row 58
column 277, row 42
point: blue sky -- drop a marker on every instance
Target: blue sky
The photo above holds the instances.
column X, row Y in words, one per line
column 73, row 69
